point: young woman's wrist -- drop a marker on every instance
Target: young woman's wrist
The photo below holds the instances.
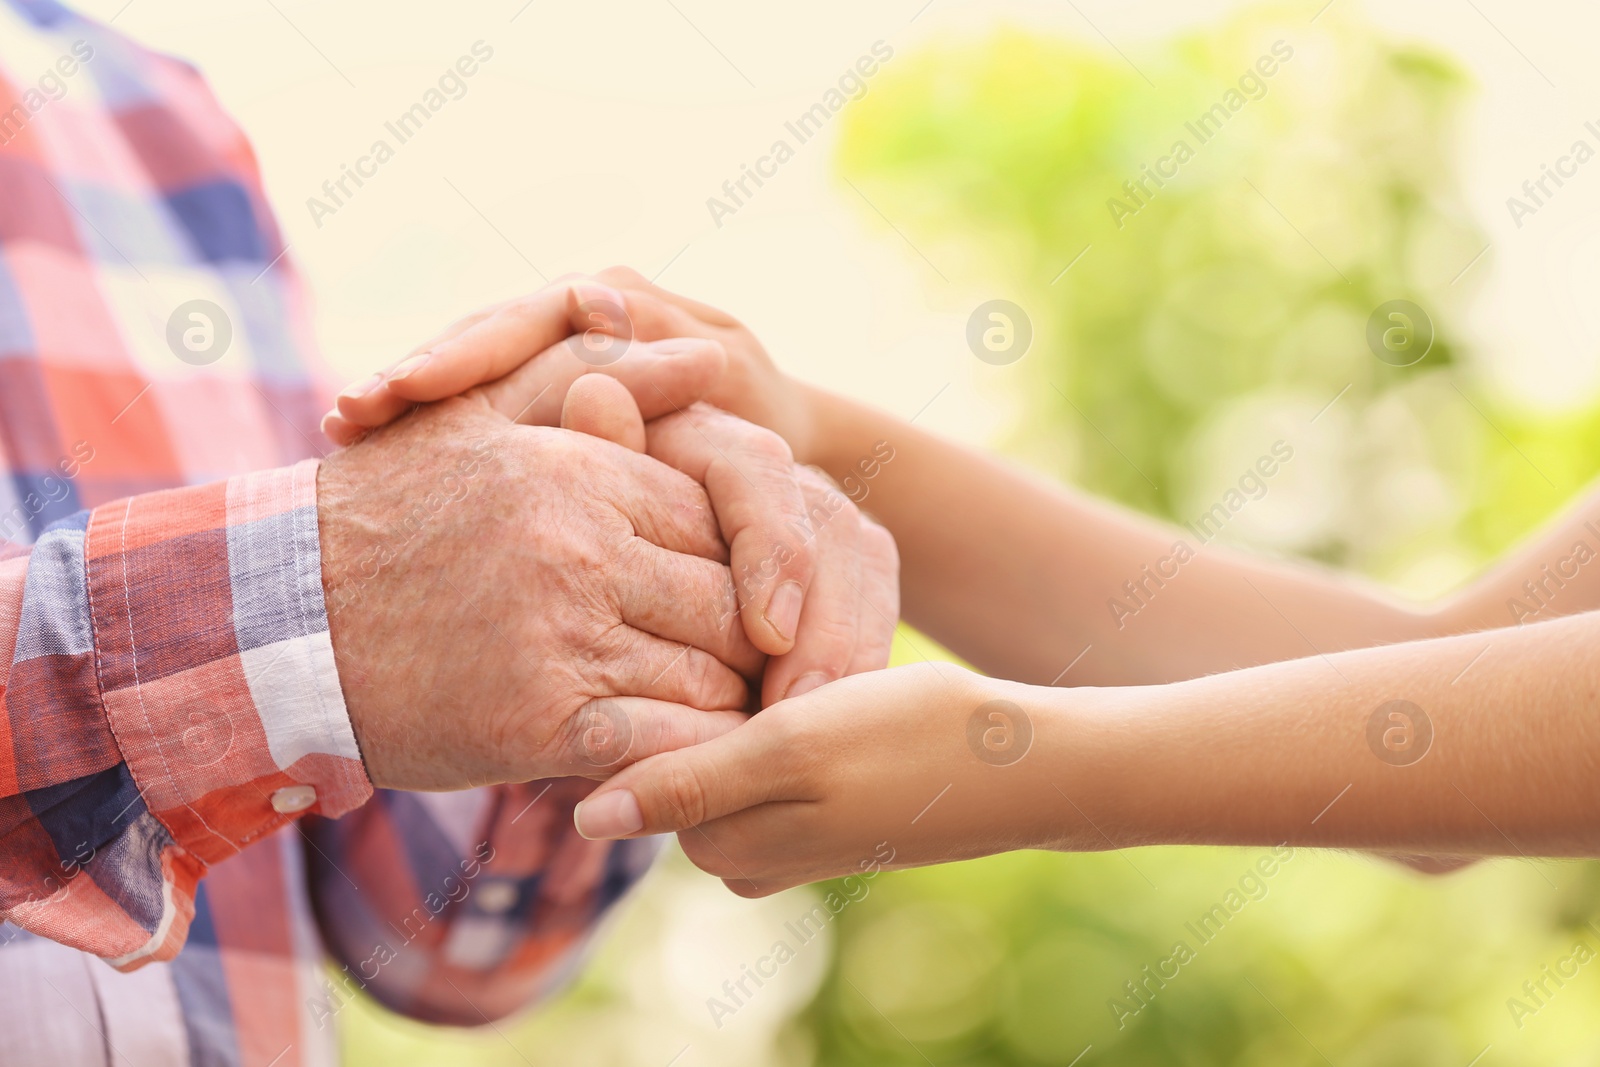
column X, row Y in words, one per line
column 834, row 434
column 809, row 422
column 1045, row 786
column 1105, row 781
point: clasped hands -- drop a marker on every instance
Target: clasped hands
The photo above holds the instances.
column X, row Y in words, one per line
column 512, row 600
column 522, row 601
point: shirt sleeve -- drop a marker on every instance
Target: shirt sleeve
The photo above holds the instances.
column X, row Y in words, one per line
column 463, row 908
column 169, row 695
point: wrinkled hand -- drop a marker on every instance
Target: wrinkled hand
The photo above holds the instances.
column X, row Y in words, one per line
column 817, row 582
column 848, row 623
column 811, row 788
column 510, row 602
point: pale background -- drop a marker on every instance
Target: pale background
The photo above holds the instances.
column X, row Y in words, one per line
column 599, row 129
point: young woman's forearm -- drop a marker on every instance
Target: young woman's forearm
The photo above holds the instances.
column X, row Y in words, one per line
column 1556, row 572
column 1482, row 744
column 1019, row 576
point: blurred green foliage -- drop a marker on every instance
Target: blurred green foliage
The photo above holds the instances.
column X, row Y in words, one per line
column 1222, row 308
column 1230, row 310
column 1015, row 960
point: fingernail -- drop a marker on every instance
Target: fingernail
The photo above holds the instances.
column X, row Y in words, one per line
column 326, row 419
column 783, row 612
column 363, row 387
column 673, row 346
column 410, row 366
column 805, row 684
column 608, row 816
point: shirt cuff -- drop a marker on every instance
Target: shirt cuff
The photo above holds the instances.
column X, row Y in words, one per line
column 214, row 659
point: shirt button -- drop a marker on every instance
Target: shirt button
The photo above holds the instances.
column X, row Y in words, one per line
column 293, row 799
column 497, row 897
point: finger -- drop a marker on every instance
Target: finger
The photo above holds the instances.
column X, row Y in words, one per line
column 603, row 407
column 465, row 322
column 683, row 789
column 825, row 643
column 880, row 599
column 751, row 481
column 610, row 733
column 340, row 430
column 501, row 343
column 663, row 376
column 487, row 348
column 651, row 316
column 647, row 666
column 370, row 403
column 455, row 329
column 630, row 281
column 685, row 599
column 664, row 506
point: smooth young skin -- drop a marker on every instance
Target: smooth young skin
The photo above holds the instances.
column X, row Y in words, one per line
column 1264, row 756
column 1031, row 611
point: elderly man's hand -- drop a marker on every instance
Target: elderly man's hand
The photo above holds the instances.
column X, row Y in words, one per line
column 511, row 602
column 854, row 601
column 817, row 581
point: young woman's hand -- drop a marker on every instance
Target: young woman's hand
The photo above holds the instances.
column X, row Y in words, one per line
column 604, row 315
column 911, row 766
column 531, row 350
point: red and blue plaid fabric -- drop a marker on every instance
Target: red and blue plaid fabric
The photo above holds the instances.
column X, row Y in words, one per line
column 170, row 707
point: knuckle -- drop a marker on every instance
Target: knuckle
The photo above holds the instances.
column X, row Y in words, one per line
column 462, row 324
column 599, row 736
column 757, row 442
column 764, row 445
column 526, row 306
column 699, row 675
column 629, row 563
column 598, row 640
column 620, row 274
column 816, row 480
column 832, row 638
column 879, row 547
column 706, row 681
column 690, row 497
column 684, row 793
column 824, row 501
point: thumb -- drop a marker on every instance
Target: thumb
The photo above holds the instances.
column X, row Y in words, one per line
column 678, row 790
column 602, row 407
column 663, row 376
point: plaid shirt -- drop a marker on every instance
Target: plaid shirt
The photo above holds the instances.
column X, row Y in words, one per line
column 171, row 706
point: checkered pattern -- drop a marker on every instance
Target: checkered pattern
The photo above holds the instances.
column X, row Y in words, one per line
column 166, row 671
